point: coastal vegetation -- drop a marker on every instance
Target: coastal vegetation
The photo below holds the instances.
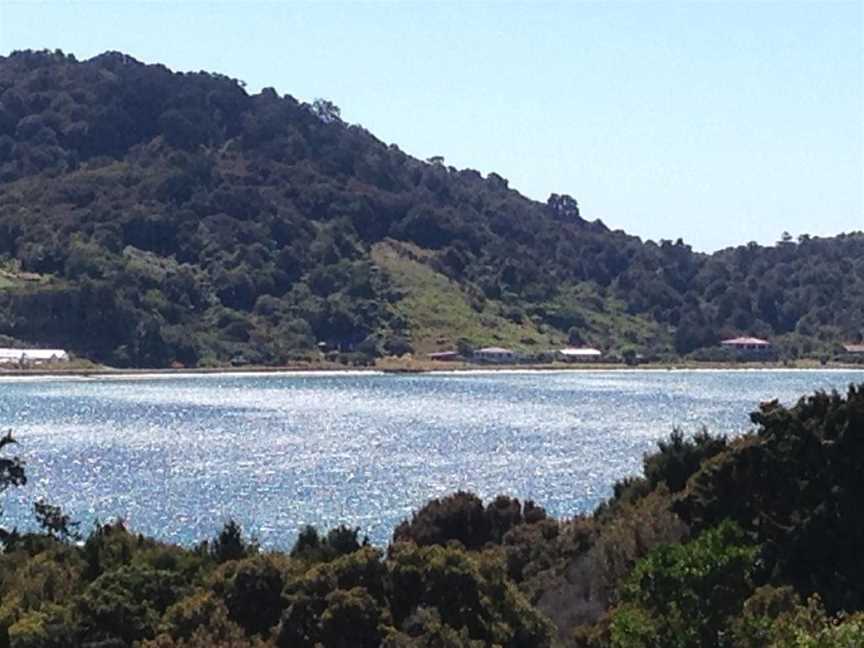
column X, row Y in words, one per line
column 744, row 542
column 150, row 218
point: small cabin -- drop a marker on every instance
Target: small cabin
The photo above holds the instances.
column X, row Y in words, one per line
column 496, row 355
column 579, row 354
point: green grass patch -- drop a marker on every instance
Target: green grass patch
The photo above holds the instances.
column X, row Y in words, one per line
column 604, row 322
column 440, row 312
column 12, row 278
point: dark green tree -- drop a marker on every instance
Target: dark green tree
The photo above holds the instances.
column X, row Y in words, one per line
column 55, row 522
column 11, row 471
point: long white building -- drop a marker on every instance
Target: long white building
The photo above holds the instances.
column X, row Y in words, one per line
column 32, row 356
column 579, row 354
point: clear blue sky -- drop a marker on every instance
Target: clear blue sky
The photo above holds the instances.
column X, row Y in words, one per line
column 718, row 122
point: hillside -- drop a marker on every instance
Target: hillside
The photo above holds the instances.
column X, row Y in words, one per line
column 149, row 217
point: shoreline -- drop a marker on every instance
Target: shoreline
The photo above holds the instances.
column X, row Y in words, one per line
column 419, row 368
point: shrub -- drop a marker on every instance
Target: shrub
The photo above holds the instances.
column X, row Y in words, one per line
column 352, row 619
column 199, row 621
column 396, row 345
column 470, row 593
column 462, row 517
column 339, row 541
column 127, row 603
column 678, row 458
column 456, row 517
column 252, row 591
column 45, row 628
column 362, row 582
column 683, row 595
column 795, row 484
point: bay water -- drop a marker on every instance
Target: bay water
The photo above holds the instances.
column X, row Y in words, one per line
column 177, row 456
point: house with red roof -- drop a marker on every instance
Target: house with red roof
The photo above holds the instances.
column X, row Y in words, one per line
column 748, row 347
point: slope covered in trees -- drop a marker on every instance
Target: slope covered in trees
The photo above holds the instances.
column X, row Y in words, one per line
column 150, row 217
column 752, row 542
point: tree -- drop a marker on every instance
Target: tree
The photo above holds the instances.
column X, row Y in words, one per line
column 563, row 207
column 352, row 619
column 127, row 603
column 465, row 347
column 55, row 522
column 796, row 484
column 396, row 345
column 327, row 111
column 459, row 517
column 339, row 541
column 11, row 470
column 463, row 518
column 230, row 544
column 683, row 595
column 252, row 592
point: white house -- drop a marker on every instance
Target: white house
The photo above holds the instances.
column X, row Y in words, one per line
column 854, row 349
column 26, row 357
column 579, row 354
column 495, row 354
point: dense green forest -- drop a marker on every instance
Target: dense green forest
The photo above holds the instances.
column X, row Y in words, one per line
column 149, row 218
column 752, row 542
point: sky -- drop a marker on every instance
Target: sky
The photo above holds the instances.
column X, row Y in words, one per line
column 718, row 122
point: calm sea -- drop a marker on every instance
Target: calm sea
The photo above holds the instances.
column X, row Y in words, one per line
column 177, row 457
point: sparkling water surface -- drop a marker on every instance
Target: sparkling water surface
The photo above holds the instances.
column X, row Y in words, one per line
column 178, row 456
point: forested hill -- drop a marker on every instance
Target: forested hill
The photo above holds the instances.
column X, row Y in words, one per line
column 150, row 217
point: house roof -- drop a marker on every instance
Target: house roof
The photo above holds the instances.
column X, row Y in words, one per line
column 444, row 354
column 494, row 350
column 32, row 354
column 853, row 348
column 580, row 352
column 750, row 341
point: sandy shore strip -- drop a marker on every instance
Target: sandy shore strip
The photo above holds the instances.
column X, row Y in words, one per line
column 439, row 368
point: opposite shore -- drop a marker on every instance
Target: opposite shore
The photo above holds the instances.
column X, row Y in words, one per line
column 411, row 366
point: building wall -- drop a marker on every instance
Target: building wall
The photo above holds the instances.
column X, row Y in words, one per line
column 494, row 357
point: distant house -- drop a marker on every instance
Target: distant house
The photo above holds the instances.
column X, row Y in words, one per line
column 495, row 355
column 445, row 356
column 579, row 354
column 748, row 347
column 30, row 357
column 854, row 349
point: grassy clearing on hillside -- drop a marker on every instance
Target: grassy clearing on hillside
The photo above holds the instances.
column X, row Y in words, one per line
column 603, row 321
column 439, row 312
column 12, row 277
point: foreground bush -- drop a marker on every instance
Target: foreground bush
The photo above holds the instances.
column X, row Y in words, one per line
column 118, row 589
column 797, row 486
column 685, row 595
